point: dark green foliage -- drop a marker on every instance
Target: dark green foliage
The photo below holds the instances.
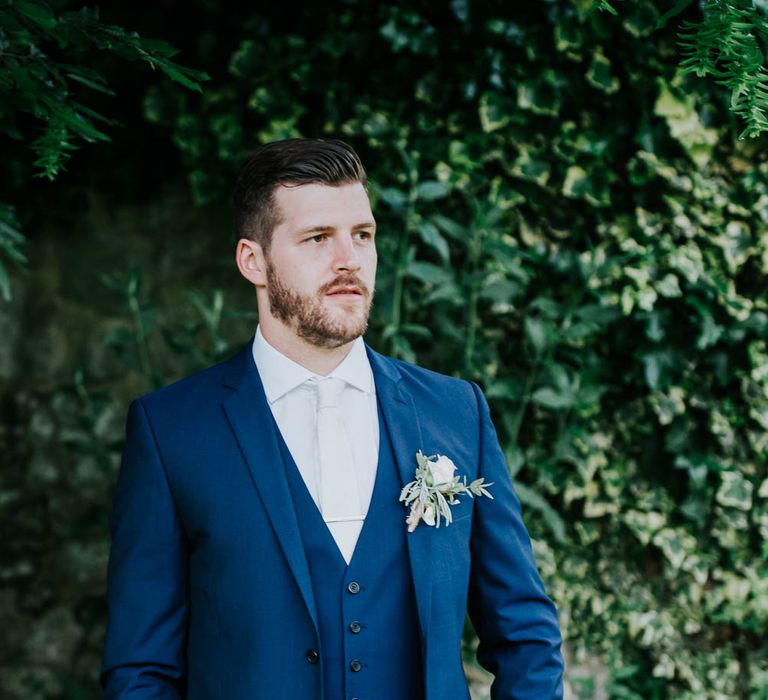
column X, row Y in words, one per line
column 43, row 57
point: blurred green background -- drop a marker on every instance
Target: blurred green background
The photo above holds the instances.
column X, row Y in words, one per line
column 568, row 214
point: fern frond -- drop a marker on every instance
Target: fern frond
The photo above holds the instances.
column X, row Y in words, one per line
column 729, row 46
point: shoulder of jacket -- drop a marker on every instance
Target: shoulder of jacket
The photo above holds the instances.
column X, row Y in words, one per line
column 186, row 388
column 428, row 385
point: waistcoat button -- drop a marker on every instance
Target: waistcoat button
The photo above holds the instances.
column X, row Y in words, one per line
column 312, row 656
column 353, row 587
column 355, row 665
column 355, row 627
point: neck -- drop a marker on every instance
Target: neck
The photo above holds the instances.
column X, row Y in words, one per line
column 319, row 360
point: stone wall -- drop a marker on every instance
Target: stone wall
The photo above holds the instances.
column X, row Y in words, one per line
column 65, row 382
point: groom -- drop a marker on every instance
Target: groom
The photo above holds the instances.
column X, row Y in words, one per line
column 259, row 548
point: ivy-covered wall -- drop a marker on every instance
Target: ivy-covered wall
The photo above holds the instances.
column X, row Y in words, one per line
column 563, row 217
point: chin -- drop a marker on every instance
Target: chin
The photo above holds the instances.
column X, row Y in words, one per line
column 352, row 328
column 348, row 314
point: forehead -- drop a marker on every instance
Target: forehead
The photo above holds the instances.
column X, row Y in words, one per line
column 305, row 206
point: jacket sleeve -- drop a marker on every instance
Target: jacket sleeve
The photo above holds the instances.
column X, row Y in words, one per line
column 147, row 590
column 516, row 623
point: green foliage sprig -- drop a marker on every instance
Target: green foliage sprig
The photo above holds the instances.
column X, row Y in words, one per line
column 11, row 240
column 34, row 81
column 43, row 57
column 730, row 44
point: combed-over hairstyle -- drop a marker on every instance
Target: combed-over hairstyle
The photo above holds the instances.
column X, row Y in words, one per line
column 289, row 162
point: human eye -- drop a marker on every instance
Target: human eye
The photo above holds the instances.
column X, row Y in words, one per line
column 365, row 235
column 318, row 237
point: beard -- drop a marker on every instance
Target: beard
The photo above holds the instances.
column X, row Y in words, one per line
column 307, row 316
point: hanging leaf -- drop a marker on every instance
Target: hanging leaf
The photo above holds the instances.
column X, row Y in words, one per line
column 431, row 236
column 431, row 190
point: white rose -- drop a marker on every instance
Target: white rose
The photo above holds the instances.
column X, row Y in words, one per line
column 442, row 470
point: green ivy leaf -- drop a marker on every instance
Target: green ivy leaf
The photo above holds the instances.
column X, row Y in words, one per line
column 549, row 398
column 537, row 334
column 431, row 236
column 431, row 190
column 429, row 273
column 38, row 12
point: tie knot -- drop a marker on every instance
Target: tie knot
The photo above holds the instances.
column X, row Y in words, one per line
column 328, row 392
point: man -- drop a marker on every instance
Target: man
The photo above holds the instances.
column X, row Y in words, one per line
column 260, row 549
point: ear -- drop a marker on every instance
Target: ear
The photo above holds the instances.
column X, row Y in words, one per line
column 251, row 262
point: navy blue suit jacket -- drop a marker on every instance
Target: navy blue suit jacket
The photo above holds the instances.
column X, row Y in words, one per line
column 207, row 576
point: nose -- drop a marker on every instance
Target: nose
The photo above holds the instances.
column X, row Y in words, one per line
column 345, row 254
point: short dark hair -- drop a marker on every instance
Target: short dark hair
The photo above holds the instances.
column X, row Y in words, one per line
column 289, row 162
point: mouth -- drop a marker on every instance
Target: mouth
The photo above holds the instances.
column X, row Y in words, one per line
column 345, row 292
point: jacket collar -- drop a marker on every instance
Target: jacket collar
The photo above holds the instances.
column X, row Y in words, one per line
column 252, row 423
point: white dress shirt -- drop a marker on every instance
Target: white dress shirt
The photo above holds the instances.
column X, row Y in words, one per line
column 292, row 397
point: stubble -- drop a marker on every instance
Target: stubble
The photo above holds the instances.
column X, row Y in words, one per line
column 307, row 316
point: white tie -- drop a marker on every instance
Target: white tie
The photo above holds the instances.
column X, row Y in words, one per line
column 339, row 496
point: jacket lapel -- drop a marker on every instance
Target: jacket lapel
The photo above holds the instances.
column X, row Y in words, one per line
column 251, row 420
column 404, row 429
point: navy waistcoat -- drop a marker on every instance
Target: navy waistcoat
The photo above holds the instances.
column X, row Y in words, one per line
column 367, row 618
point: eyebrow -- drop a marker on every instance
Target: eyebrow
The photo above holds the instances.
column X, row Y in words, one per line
column 328, row 229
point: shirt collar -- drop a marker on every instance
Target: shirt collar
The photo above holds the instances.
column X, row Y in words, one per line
column 280, row 375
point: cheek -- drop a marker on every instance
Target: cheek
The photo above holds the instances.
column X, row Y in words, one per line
column 302, row 274
column 370, row 264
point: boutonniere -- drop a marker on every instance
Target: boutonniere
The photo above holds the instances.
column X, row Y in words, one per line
column 435, row 489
